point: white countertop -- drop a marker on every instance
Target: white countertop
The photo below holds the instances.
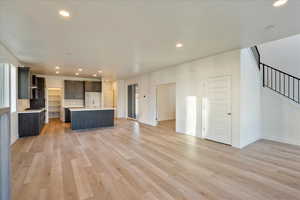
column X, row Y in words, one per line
column 90, row 109
column 73, row 107
column 32, row 111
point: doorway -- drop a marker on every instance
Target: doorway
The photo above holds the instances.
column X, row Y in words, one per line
column 133, row 101
column 166, row 105
column 216, row 110
column 54, row 103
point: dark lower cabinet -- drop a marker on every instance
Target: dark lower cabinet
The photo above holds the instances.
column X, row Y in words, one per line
column 91, row 119
column 67, row 115
column 31, row 124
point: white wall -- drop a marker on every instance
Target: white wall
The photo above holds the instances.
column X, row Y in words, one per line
column 107, row 94
column 280, row 115
column 282, row 54
column 189, row 78
column 166, row 102
column 13, row 107
column 250, row 102
column 121, row 96
column 281, row 118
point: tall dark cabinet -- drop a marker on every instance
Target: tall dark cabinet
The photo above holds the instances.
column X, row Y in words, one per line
column 40, row 88
column 24, row 83
column 74, row 89
column 38, row 94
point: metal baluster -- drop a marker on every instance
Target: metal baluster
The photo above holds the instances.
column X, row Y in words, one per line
column 263, row 75
column 284, row 83
column 267, row 77
column 289, row 87
column 298, row 91
column 271, row 78
column 280, row 82
column 293, row 88
column 275, row 81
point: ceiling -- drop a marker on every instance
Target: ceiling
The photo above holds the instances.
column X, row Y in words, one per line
column 125, row 38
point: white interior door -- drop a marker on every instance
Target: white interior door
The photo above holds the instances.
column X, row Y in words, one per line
column 218, row 109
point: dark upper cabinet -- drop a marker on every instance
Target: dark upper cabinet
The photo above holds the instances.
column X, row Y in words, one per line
column 93, row 86
column 74, row 89
column 33, row 81
column 24, row 83
column 68, row 90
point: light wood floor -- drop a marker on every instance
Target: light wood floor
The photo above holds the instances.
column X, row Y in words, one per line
column 169, row 124
column 139, row 162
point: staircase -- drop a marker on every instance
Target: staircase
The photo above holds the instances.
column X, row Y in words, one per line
column 280, row 82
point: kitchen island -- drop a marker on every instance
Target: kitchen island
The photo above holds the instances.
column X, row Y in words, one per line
column 87, row 118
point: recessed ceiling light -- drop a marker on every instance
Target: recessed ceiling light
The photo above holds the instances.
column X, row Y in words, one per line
column 64, row 13
column 94, row 75
column 57, row 67
column 57, row 72
column 279, row 3
column 80, row 69
column 99, row 71
column 179, row 45
column 77, row 74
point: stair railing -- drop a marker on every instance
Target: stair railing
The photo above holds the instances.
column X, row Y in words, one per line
column 279, row 81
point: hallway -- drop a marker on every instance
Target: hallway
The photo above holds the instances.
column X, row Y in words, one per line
column 134, row 161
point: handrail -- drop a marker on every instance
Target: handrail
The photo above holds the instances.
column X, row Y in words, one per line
column 256, row 55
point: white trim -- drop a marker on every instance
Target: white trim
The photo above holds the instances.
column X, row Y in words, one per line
column 4, row 110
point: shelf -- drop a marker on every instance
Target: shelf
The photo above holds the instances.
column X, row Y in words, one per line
column 54, row 105
column 53, row 111
column 54, row 100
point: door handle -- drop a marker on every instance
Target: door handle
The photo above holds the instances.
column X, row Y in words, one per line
column 228, row 113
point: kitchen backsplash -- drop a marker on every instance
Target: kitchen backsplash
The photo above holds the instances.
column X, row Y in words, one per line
column 73, row 103
column 23, row 104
